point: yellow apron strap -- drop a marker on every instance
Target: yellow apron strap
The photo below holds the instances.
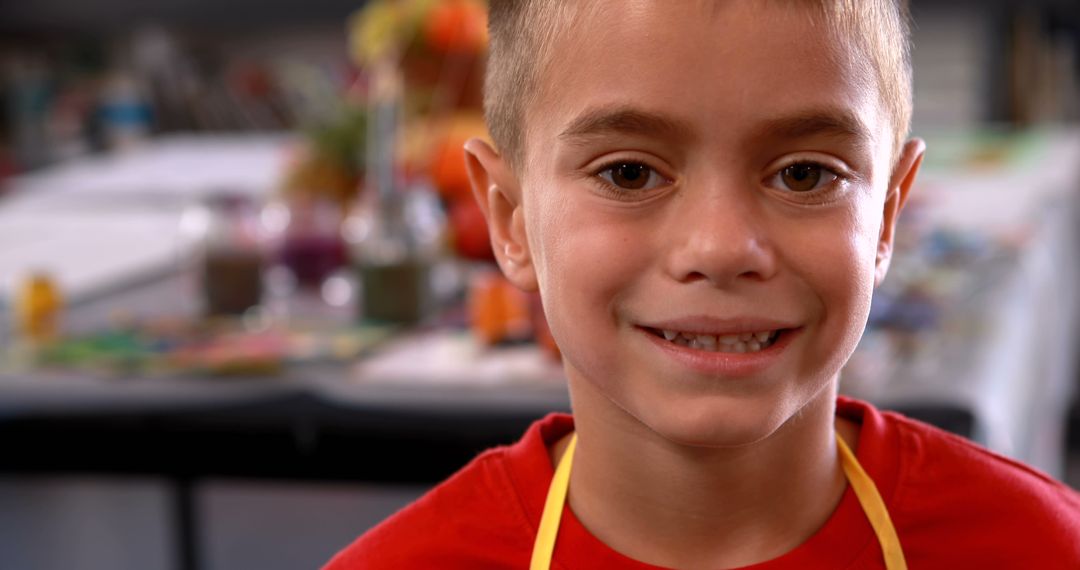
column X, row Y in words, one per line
column 873, row 506
column 865, row 491
column 544, row 547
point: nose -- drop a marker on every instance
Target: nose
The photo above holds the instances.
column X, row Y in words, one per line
column 719, row 235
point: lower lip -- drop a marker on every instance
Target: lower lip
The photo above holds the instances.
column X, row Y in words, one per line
column 727, row 364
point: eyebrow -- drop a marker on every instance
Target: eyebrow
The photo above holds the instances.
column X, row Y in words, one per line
column 817, row 122
column 625, row 120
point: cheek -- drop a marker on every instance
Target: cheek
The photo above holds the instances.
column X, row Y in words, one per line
column 851, row 275
column 579, row 257
column 584, row 262
column 836, row 258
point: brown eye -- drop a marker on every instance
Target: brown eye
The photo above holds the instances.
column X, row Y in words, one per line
column 631, row 176
column 801, row 177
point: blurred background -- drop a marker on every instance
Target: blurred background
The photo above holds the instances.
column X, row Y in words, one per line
column 248, row 307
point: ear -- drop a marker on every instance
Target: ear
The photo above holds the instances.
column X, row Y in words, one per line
column 900, row 183
column 498, row 192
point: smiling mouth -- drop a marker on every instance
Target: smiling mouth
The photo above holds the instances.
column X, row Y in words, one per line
column 736, row 343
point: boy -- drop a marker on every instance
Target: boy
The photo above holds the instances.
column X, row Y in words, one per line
column 705, row 193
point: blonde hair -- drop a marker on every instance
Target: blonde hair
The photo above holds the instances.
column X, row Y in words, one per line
column 522, row 33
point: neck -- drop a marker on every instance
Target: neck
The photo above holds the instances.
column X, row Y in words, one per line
column 688, row 507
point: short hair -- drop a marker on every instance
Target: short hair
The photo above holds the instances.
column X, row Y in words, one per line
column 522, row 33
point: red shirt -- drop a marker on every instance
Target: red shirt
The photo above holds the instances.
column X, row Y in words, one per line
column 954, row 505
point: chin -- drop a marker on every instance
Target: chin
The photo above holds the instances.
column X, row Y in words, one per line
column 721, row 425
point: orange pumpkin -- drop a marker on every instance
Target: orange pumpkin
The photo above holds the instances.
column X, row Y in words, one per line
column 448, row 171
column 458, row 26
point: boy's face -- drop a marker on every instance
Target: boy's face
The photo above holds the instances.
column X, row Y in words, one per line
column 708, row 168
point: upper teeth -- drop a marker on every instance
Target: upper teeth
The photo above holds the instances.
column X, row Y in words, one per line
column 738, row 342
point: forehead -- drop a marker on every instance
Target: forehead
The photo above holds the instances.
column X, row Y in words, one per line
column 716, row 69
